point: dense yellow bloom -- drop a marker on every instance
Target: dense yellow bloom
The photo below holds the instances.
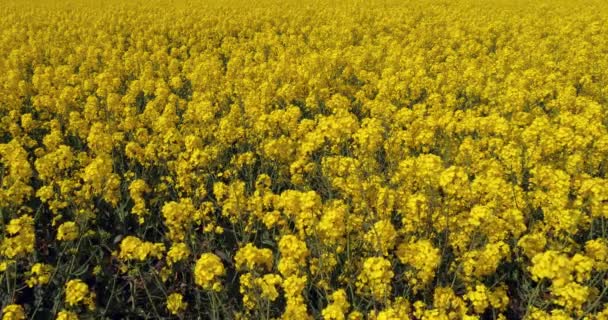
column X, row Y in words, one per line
column 21, row 238
column 13, row 312
column 133, row 248
column 553, row 265
column 375, row 278
column 340, row 159
column 207, row 270
column 97, row 175
column 257, row 289
column 382, row 236
column 250, row 256
column 67, row 231
column 14, row 185
column 245, row 285
column 338, row 308
column 268, row 286
column 532, row 244
column 483, row 262
column 598, row 251
column 499, row 298
column 293, row 254
column 295, row 307
column 178, row 218
column 396, row 310
column 566, row 275
column 137, row 189
column 40, row 274
column 447, row 303
column 177, row 252
column 304, row 208
column 423, row 257
column 332, row 226
column 454, row 181
column 176, row 304
column 66, row 315
column 76, row 292
column 555, row 314
column 478, row 298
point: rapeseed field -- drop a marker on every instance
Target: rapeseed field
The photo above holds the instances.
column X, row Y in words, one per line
column 303, row 159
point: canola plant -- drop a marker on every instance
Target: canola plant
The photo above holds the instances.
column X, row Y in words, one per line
column 304, row 159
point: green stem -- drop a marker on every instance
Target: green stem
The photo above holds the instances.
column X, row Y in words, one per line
column 105, row 310
column 148, row 294
column 595, row 302
column 531, row 299
column 214, row 311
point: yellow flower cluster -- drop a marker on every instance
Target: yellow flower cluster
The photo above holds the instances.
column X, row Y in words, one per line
column 207, row 270
column 338, row 307
column 17, row 170
column 179, row 217
column 382, row 236
column 67, row 231
column 176, row 304
column 424, row 259
column 13, row 312
column 259, row 291
column 40, row 274
column 20, row 238
column 376, row 278
column 250, row 256
column 343, row 159
column 67, row 315
column 77, row 292
column 567, row 275
column 268, row 286
column 137, row 189
column 178, row 252
column 293, row 255
column 133, row 248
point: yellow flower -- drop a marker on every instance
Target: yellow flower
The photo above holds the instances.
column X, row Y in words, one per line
column 267, row 285
column 67, row 231
column 178, row 217
column 4, row 265
column 332, row 226
column 338, row 308
column 178, row 252
column 176, row 304
column 250, row 256
column 207, row 270
column 246, row 283
column 499, row 298
column 97, row 270
column 295, row 307
column 137, row 189
column 66, row 315
column 381, row 237
column 293, row 254
column 13, row 312
column 598, row 250
column 40, row 274
column 76, row 291
column 478, row 298
column 532, row 243
column 21, row 237
column 423, row 257
column 483, row 262
column 336, row 161
column 375, row 278
column 132, row 248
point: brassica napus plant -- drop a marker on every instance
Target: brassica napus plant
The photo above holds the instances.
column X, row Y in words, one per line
column 303, row 159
